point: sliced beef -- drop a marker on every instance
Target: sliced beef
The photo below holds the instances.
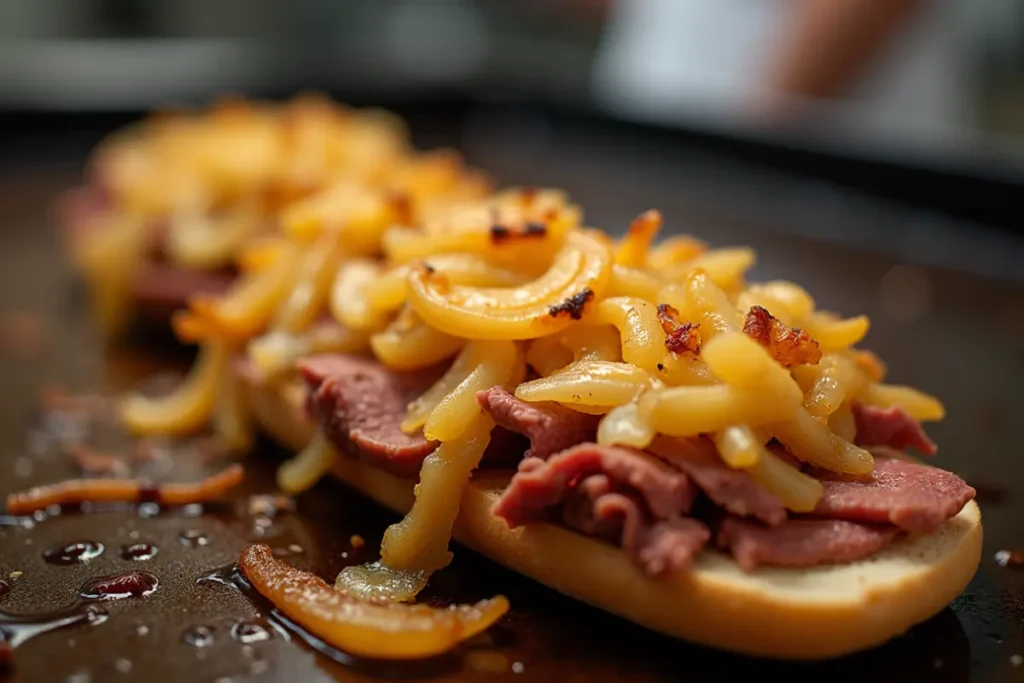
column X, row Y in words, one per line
column 733, row 489
column 165, row 287
column 914, row 497
column 549, row 427
column 621, row 494
column 360, row 404
column 801, row 542
column 542, row 484
column 599, row 507
column 160, row 287
column 889, row 427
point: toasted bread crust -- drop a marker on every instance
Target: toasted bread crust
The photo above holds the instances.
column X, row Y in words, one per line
column 814, row 613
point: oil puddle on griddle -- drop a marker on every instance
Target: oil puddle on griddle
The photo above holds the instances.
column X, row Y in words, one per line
column 16, row 629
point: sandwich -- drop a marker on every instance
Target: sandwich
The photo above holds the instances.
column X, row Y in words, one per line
column 167, row 204
column 628, row 421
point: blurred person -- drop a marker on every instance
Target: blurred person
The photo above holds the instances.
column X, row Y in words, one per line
column 872, row 65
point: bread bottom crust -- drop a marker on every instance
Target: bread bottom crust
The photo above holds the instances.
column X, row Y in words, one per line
column 816, row 613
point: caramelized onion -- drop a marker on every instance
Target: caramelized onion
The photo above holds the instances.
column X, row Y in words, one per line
column 308, row 466
column 124, row 491
column 420, row 541
column 186, row 409
column 362, row 628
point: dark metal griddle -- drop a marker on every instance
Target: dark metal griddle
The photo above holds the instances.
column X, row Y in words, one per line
column 955, row 333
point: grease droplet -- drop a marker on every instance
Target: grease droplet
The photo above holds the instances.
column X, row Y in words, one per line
column 119, row 586
column 123, row 666
column 249, row 632
column 199, row 636
column 1010, row 558
column 193, row 538
column 74, row 552
column 96, row 615
column 269, row 505
column 191, row 510
column 148, row 510
column 139, row 552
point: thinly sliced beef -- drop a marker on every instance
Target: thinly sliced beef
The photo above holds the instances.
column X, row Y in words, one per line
column 360, row 404
column 801, row 542
column 733, row 489
column 596, row 506
column 621, row 494
column 549, row 427
column 160, row 287
column 889, row 427
column 911, row 496
column 542, row 484
column 164, row 286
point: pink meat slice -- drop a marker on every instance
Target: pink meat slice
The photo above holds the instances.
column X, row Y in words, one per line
column 891, row 427
column 620, row 494
column 360, row 404
column 549, row 427
column 913, row 497
column 598, row 507
column 731, row 489
column 801, row 542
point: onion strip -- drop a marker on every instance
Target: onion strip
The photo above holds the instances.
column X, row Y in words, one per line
column 75, row 491
column 360, row 628
column 189, row 407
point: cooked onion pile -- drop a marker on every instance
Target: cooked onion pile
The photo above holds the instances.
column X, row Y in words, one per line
column 514, row 290
column 204, row 184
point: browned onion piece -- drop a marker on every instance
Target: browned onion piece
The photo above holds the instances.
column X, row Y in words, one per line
column 124, row 491
column 395, row 631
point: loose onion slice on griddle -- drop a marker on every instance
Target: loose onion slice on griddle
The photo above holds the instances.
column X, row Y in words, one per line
column 124, row 491
column 395, row 631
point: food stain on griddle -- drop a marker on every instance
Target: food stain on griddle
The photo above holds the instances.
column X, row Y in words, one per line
column 249, row 632
column 139, row 552
column 1010, row 558
column 5, row 588
column 134, row 584
column 16, row 629
column 193, row 538
column 76, row 552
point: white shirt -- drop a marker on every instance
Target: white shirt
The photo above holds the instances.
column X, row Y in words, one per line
column 700, row 60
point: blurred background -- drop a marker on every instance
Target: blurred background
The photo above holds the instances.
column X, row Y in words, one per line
column 920, row 102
